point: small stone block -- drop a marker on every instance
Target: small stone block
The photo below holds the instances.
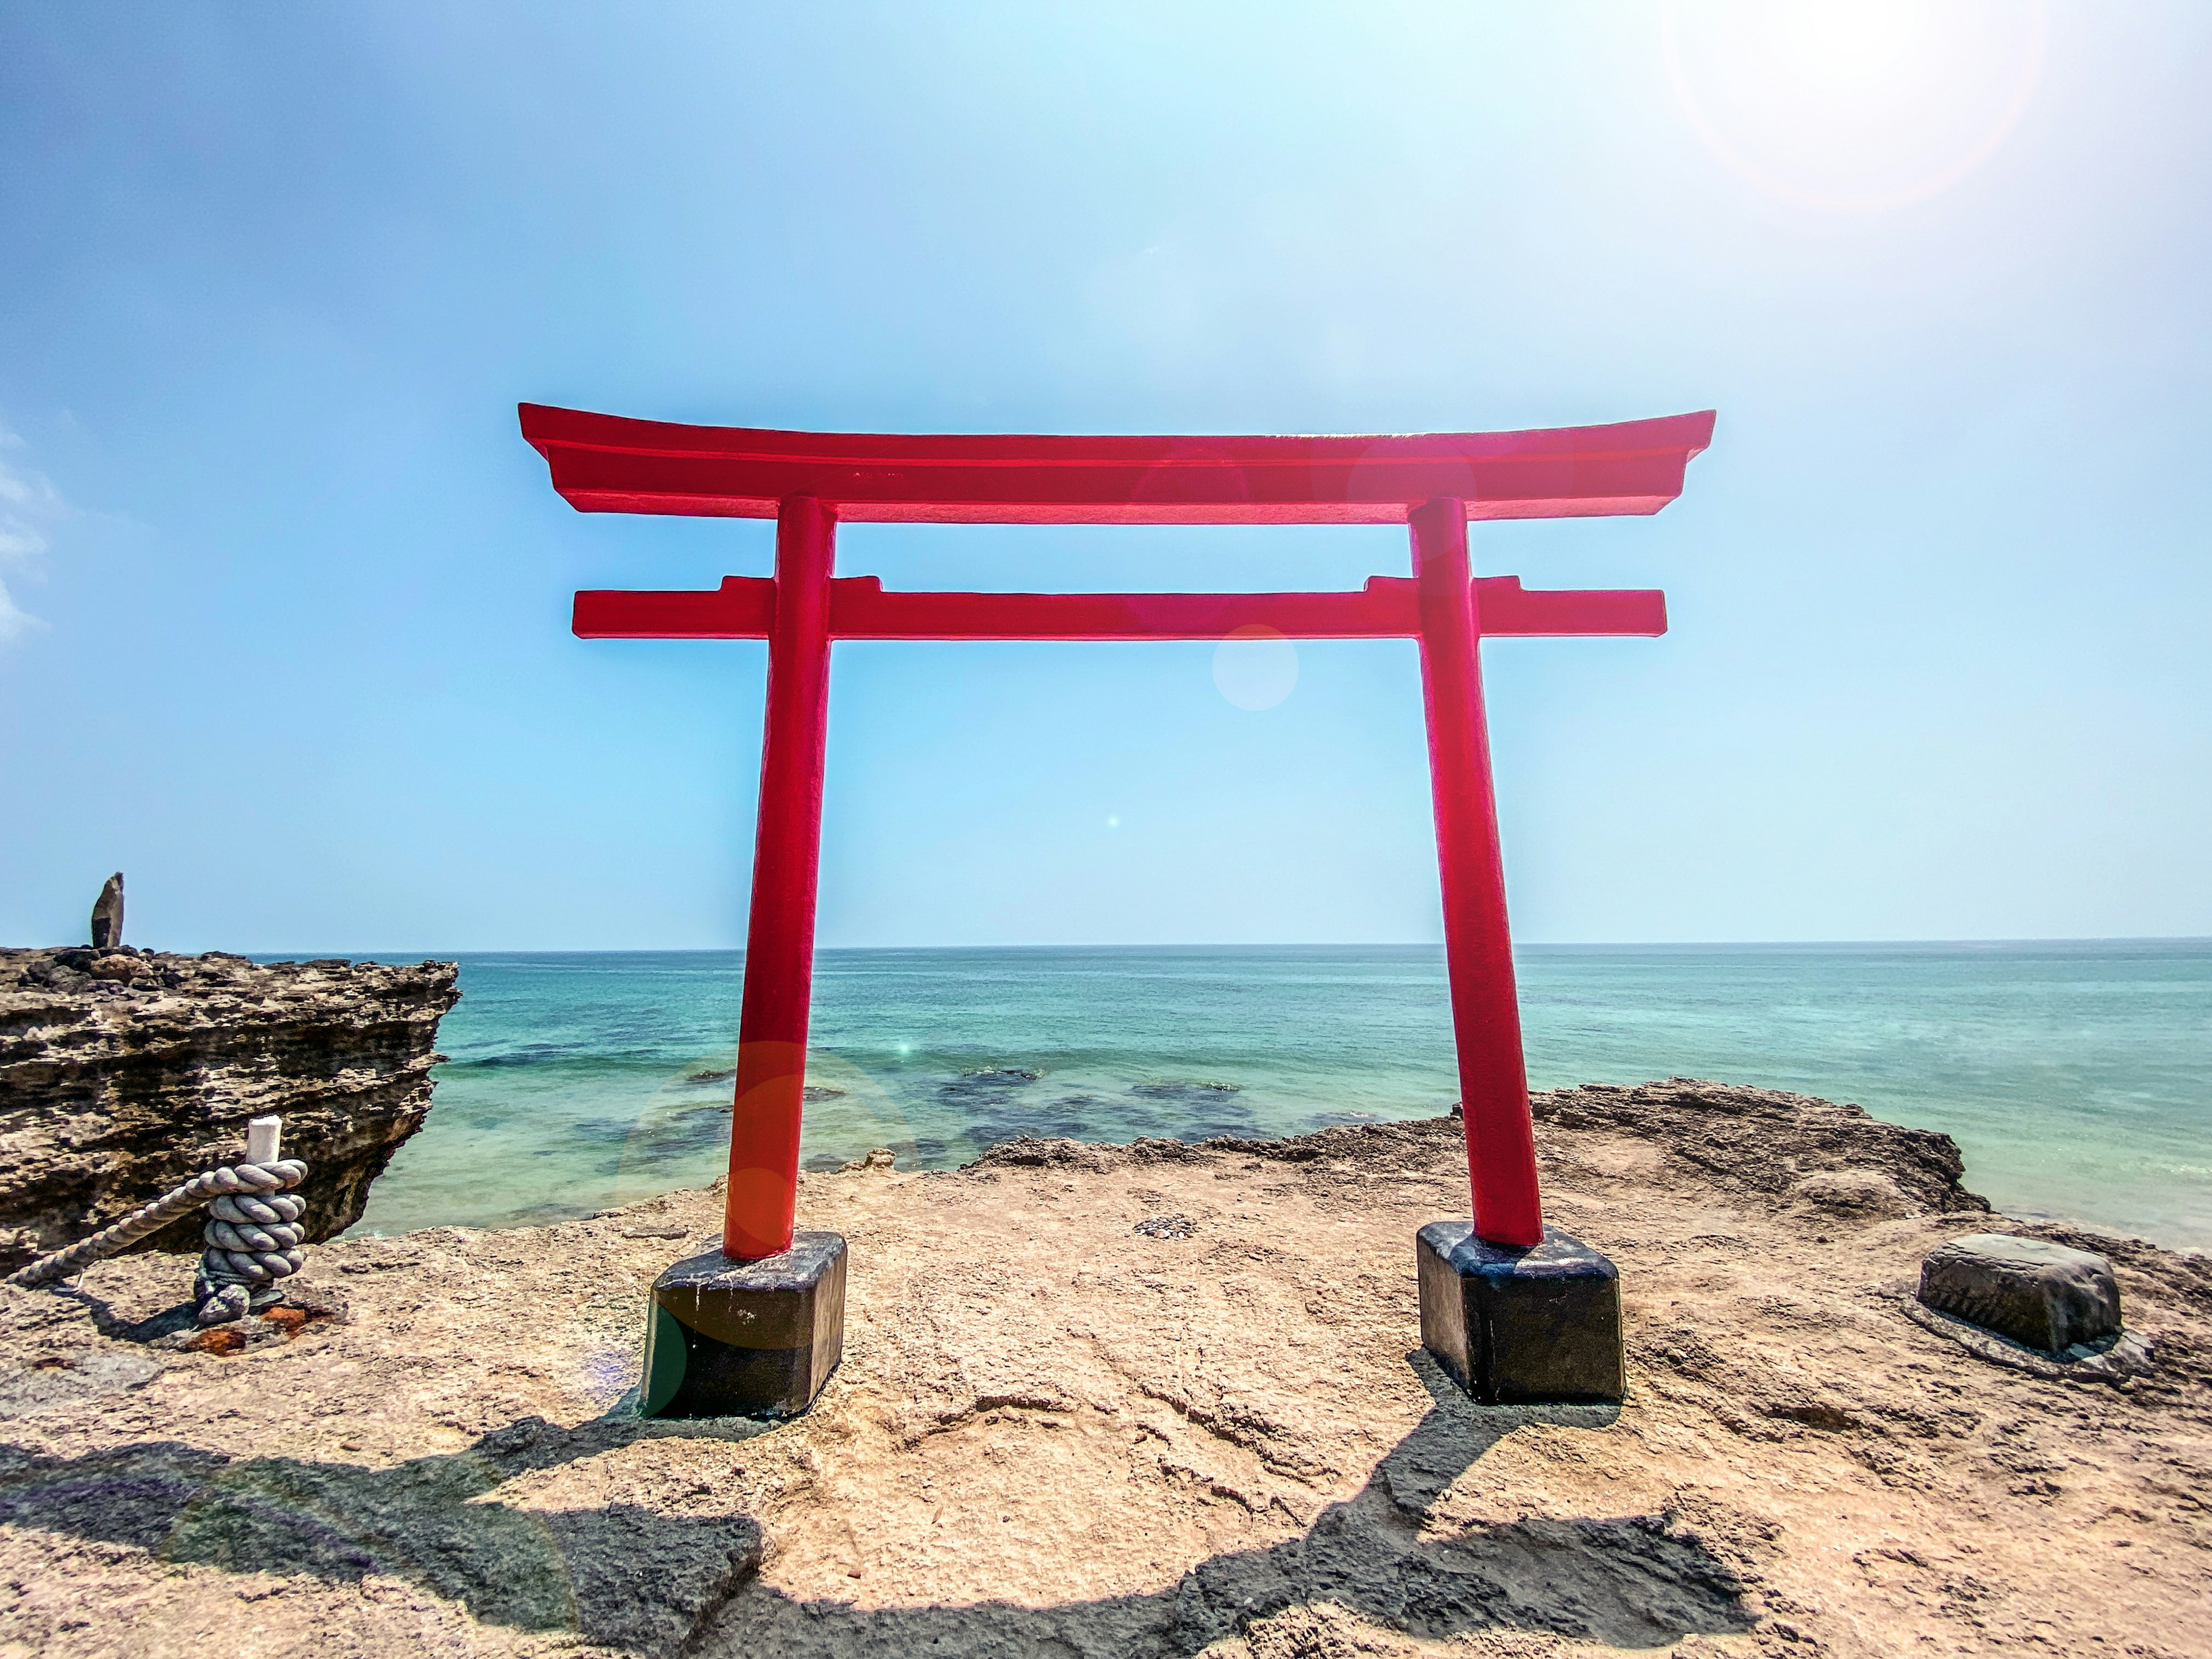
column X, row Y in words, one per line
column 746, row 1338
column 1520, row 1326
column 2042, row 1296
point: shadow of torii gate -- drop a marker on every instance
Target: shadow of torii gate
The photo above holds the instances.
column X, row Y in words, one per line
column 808, row 482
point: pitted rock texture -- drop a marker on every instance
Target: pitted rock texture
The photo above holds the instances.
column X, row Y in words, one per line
column 2041, row 1295
column 1789, row 1147
column 1056, row 1433
column 124, row 1073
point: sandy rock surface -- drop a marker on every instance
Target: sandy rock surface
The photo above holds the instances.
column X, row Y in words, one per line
column 1122, row 1402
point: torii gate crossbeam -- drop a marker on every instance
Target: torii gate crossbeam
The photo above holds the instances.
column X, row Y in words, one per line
column 808, row 482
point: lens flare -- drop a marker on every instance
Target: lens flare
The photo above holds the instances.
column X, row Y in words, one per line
column 1855, row 107
column 1255, row 667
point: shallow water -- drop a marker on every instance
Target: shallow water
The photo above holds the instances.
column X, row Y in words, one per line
column 2076, row 1077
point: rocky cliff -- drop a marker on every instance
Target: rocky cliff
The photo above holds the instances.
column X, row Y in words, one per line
column 124, row 1072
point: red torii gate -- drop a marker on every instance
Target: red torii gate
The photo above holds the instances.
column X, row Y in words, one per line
column 807, row 482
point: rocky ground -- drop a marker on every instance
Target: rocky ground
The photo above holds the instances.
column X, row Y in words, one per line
column 1147, row 1400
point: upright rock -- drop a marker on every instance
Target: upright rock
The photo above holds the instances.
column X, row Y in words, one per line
column 123, row 1074
column 107, row 915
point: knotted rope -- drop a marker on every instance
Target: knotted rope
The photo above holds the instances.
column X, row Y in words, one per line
column 252, row 1235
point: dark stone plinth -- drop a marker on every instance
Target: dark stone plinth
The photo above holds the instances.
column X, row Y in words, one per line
column 1519, row 1326
column 2042, row 1296
column 746, row 1338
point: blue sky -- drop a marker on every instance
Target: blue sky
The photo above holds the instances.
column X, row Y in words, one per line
column 286, row 639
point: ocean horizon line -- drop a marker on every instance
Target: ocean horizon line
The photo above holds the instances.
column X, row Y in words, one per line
column 1560, row 947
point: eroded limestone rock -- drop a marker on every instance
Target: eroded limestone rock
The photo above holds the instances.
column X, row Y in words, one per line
column 124, row 1073
column 2042, row 1295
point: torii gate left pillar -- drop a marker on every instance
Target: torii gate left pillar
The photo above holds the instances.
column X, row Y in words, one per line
column 1516, row 1310
column 764, row 1124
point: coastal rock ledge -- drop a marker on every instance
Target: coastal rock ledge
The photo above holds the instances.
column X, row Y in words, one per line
column 1153, row 1401
column 123, row 1073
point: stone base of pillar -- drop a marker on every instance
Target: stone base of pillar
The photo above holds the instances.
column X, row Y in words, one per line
column 745, row 1338
column 1521, row 1326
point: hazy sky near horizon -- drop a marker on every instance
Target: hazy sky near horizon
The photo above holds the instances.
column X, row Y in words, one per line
column 284, row 635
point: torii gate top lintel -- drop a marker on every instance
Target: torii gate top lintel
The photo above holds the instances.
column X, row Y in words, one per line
column 809, row 481
column 611, row 463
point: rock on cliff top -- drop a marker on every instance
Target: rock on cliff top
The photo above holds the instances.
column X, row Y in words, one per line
column 124, row 1072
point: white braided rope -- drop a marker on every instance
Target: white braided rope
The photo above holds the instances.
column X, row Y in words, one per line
column 253, row 1238
column 257, row 1241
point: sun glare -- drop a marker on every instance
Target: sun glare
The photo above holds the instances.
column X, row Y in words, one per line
column 1854, row 106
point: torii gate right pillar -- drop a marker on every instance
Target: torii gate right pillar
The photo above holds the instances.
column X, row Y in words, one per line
column 1514, row 1309
column 1493, row 1078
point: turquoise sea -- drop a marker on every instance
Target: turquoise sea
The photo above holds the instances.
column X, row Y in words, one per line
column 2077, row 1077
